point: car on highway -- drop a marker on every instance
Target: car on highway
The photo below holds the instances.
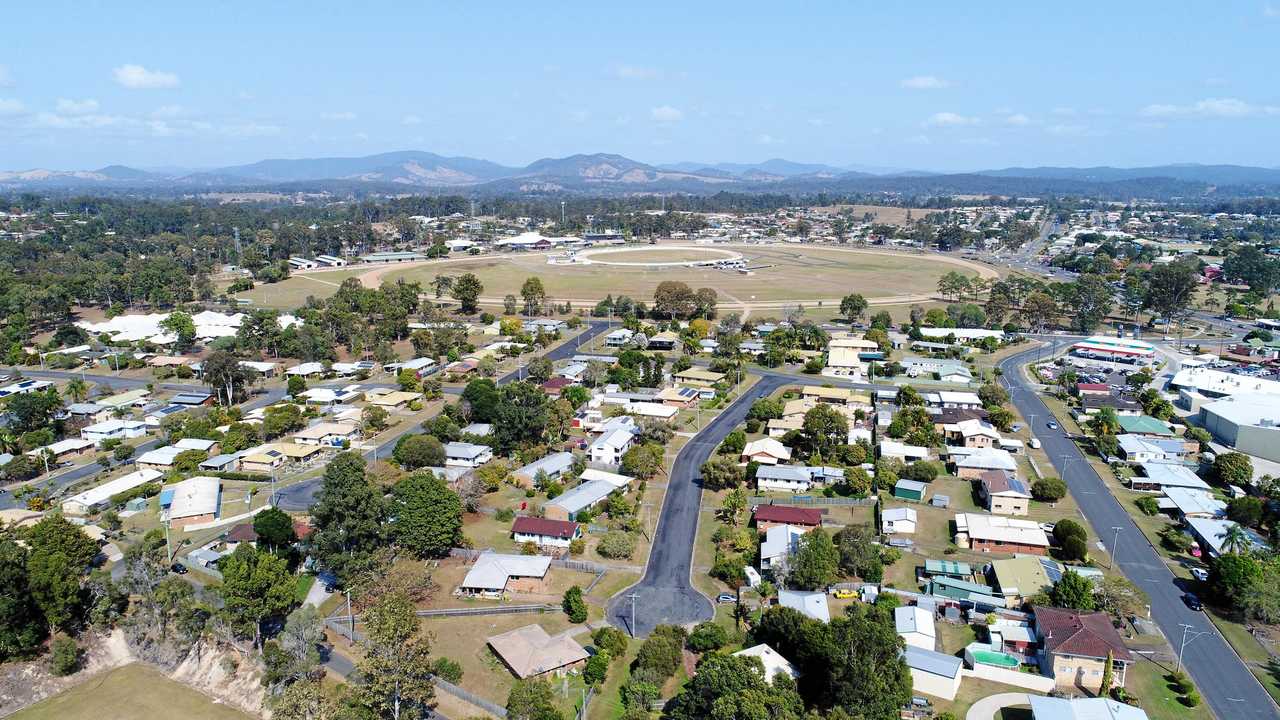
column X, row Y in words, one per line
column 1052, row 425
column 726, row 598
column 178, row 569
column 1200, row 574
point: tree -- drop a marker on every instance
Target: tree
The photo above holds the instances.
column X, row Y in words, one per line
column 824, row 428
column 707, row 636
column 732, row 687
column 643, row 461
column 574, row 606
column 532, row 700
column 348, row 516
column 1170, row 289
column 32, row 411
column 853, row 307
column 466, row 290
column 1232, row 468
column 1090, row 299
column 223, row 373
column 427, row 515
column 520, row 417
column 274, row 528
column 674, row 299
column 77, row 389
column 617, row 545
column 297, row 385
column 59, row 555
column 1108, row 668
column 1232, row 575
column 396, row 672
column 418, row 451
column 182, row 326
column 1038, row 310
column 256, row 586
column 534, row 295
column 597, row 669
column 21, row 621
column 1049, row 489
column 1118, row 596
column 540, row 369
column 1073, row 591
column 1236, row 540
column 300, row 639
column 817, row 562
column 720, row 473
column 735, row 501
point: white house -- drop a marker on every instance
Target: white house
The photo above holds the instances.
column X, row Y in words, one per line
column 915, row 626
column 898, row 521
column 812, row 604
column 113, row 430
column 94, row 499
column 461, row 454
column 780, row 541
column 766, row 451
column 609, row 448
column 774, row 663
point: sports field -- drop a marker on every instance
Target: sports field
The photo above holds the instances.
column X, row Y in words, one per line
column 132, row 692
column 778, row 274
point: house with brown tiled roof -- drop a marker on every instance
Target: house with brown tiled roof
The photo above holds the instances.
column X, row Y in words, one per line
column 1074, row 647
column 544, row 532
column 768, row 516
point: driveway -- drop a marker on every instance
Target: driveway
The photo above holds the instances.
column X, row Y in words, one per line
column 665, row 595
column 1224, row 681
column 987, row 707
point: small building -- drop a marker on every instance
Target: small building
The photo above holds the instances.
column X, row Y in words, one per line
column 766, row 451
column 767, row 516
column 87, row 413
column 1211, row 534
column 192, row 399
column 909, row 490
column 64, row 450
column 395, row 399
column 812, row 604
column 898, row 521
column 327, row 434
column 1075, row 646
column 553, row 466
column 894, row 450
column 463, row 454
column 530, row 651
column 783, row 478
column 1157, row 477
column 971, row 465
column 229, row 462
column 915, row 626
column 1003, row 494
column 933, row 673
column 1145, row 425
column 306, row 369
column 1019, row 578
column 664, row 341
column 774, row 663
column 544, row 532
column 496, row 574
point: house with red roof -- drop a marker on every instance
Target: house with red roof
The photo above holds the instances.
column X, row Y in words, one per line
column 768, row 516
column 1074, row 648
column 544, row 532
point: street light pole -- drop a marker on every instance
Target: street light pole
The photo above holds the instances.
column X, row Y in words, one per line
column 1115, row 546
column 633, row 597
column 1185, row 628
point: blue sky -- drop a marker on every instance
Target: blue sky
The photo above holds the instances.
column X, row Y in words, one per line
column 938, row 87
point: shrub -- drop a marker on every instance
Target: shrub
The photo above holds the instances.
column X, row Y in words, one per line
column 1191, row 699
column 122, row 452
column 577, row 546
column 1074, row 548
column 504, row 515
column 448, row 670
column 707, row 636
column 617, row 545
column 1069, row 528
column 597, row 669
column 1050, row 489
column 64, row 656
column 610, row 640
column 1148, row 505
column 574, row 606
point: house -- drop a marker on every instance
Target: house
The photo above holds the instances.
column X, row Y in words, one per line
column 153, row 418
column 812, row 604
column 22, row 387
column 664, row 341
column 780, row 542
column 766, row 451
column 1158, row 476
column 530, row 651
column 1056, row 708
column 194, row 500
column 1145, row 425
column 545, row 325
column 836, row 396
column 64, row 450
column 306, row 369
column 783, row 478
column 909, row 490
column 997, row 533
column 609, row 448
column 495, row 574
column 327, row 434
column 1085, row 389
column 678, row 397
column 464, row 454
column 394, row 399
column 1211, row 534
column 974, row 434
column 553, row 466
column 698, row 378
column 894, row 450
column 1092, row 404
column 963, row 593
column 933, row 673
column 774, row 663
column 971, row 465
column 346, row 369
column 1187, row 503
column 898, row 521
column 953, row 399
column 1004, row 494
column 595, row 486
column 619, row 338
column 478, row 429
column 192, row 399
column 844, row 357
column 222, row 463
column 543, row 532
column 806, row 519
column 1021, row 577
column 240, row 534
column 94, row 499
column 127, row 399
column 86, row 413
column 420, row 367
column 1075, row 645
column 915, row 626
column 261, row 461
column 332, row 396
column 113, row 430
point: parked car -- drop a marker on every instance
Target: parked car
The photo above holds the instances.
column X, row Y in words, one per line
column 726, row 598
column 1193, row 602
column 178, row 568
column 1035, row 443
column 1200, row 574
column 845, row 593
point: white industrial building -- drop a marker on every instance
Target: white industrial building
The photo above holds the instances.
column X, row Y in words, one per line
column 1248, row 422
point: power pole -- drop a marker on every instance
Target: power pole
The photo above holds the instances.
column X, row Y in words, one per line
column 1115, row 546
column 1185, row 629
column 633, row 597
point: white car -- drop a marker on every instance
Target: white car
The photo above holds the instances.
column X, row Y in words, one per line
column 1200, row 574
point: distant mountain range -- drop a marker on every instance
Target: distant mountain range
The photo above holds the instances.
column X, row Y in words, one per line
column 601, row 173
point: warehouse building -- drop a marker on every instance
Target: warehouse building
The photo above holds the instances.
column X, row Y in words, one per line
column 1248, row 422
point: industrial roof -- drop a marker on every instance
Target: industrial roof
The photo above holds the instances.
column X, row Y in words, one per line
column 105, row 491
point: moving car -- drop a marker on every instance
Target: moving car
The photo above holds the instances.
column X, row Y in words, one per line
column 1052, row 425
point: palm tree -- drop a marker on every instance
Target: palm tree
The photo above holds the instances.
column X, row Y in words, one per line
column 1236, row 540
column 77, row 390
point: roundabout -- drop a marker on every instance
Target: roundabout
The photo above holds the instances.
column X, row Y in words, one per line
column 672, row 256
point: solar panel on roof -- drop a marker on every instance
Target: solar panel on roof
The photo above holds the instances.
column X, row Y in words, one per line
column 1051, row 569
column 1018, row 485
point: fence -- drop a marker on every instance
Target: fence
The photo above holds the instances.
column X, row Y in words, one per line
column 462, row 612
column 811, row 500
column 454, row 690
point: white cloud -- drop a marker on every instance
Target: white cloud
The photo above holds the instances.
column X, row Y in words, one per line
column 1271, row 11
column 136, row 77
column 767, row 139
column 925, row 82
column 411, row 120
column 339, row 116
column 362, row 136
column 818, row 122
column 1018, row 119
column 1210, row 107
column 950, row 119
column 80, row 122
column 9, row 106
column 168, row 111
column 6, row 79
column 666, row 114
column 636, row 72
column 160, row 128
column 76, row 107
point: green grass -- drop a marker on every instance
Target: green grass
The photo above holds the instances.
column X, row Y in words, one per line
column 1250, row 650
column 303, row 586
column 1146, row 681
column 132, row 692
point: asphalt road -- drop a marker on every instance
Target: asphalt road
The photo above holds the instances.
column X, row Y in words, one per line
column 1226, row 684
column 665, row 594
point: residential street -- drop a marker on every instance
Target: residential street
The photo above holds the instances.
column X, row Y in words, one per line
column 1227, row 685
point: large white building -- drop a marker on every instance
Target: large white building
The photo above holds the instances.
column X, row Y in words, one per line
column 1248, row 422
